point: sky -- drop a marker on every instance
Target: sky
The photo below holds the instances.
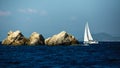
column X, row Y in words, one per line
column 49, row 17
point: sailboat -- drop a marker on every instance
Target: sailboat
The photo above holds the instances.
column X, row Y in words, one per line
column 88, row 39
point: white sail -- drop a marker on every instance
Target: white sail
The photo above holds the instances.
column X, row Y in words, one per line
column 85, row 34
column 89, row 34
column 88, row 37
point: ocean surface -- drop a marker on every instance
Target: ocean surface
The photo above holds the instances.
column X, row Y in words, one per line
column 103, row 55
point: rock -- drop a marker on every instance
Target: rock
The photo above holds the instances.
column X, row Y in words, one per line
column 14, row 38
column 63, row 38
column 17, row 38
column 36, row 39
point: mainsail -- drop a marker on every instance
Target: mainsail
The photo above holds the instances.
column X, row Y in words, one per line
column 87, row 34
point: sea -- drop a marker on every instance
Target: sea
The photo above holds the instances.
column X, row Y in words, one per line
column 102, row 55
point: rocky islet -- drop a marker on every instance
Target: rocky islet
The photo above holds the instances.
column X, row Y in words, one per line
column 17, row 38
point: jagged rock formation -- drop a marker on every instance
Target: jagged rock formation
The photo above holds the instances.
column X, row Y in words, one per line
column 36, row 39
column 17, row 38
column 63, row 38
column 14, row 38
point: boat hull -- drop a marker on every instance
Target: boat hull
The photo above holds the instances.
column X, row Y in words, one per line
column 90, row 42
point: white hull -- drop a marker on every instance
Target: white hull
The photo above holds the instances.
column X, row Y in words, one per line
column 90, row 42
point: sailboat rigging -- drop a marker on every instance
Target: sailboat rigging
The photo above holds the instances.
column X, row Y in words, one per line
column 88, row 39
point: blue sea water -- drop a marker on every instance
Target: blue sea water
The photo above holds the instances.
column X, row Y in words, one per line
column 104, row 55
